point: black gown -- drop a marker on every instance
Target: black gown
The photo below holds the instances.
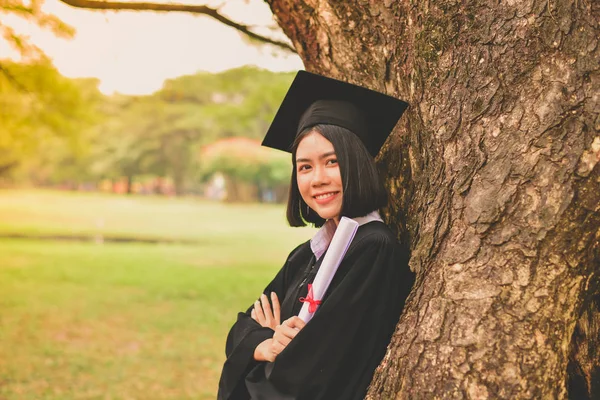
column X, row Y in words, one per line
column 335, row 354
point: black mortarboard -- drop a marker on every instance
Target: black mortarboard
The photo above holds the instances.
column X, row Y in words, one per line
column 315, row 99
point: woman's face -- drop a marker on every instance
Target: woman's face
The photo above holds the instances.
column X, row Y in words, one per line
column 318, row 176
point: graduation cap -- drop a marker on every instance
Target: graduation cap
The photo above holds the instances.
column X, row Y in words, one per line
column 315, row 99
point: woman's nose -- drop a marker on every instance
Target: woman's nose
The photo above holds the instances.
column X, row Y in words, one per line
column 319, row 176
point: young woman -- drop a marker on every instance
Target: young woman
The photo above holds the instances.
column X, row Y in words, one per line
column 333, row 130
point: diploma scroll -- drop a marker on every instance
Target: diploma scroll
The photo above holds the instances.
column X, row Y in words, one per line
column 338, row 247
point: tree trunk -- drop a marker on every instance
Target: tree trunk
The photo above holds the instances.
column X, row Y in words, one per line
column 7, row 167
column 494, row 176
column 179, row 183
column 130, row 183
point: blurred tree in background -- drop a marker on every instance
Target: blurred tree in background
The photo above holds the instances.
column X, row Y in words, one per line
column 251, row 171
column 57, row 130
column 161, row 135
column 42, row 114
column 60, row 131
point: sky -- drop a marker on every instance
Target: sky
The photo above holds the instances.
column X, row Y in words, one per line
column 134, row 52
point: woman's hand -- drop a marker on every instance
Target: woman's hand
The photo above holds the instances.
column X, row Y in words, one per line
column 269, row 349
column 264, row 351
column 263, row 314
column 284, row 334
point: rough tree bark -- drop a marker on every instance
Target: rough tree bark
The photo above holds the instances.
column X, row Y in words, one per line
column 495, row 177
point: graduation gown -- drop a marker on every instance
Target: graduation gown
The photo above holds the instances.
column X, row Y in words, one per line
column 335, row 354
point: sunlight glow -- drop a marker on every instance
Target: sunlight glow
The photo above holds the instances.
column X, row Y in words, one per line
column 134, row 52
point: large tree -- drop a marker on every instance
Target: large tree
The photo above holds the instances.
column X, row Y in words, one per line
column 495, row 181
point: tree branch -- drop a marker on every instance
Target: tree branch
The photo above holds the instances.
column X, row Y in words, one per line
column 11, row 78
column 164, row 7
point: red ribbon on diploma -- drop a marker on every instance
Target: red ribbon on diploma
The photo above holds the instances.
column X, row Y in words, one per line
column 312, row 303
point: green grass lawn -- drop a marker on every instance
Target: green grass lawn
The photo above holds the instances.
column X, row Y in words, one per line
column 80, row 320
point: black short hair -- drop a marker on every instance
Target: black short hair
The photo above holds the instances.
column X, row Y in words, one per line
column 363, row 190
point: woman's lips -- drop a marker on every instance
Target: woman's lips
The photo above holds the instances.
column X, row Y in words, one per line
column 325, row 198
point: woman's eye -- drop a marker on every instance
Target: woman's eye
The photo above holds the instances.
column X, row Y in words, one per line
column 303, row 167
column 332, row 161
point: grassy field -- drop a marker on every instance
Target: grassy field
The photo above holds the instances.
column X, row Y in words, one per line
column 84, row 320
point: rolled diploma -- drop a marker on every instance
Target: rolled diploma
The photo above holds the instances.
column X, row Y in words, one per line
column 338, row 247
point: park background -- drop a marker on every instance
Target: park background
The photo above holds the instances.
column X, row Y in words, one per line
column 493, row 174
column 138, row 212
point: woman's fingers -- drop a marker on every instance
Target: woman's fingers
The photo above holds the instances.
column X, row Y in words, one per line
column 295, row 322
column 276, row 308
column 284, row 334
column 269, row 319
column 264, row 314
column 276, row 347
column 258, row 310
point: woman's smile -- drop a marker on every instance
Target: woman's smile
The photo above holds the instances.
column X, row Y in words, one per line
column 325, row 198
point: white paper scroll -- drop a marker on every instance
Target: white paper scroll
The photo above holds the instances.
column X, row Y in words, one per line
column 338, row 247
